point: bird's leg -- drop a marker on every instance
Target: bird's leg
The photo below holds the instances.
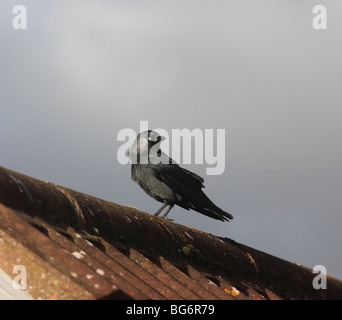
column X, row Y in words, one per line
column 161, row 209
column 168, row 210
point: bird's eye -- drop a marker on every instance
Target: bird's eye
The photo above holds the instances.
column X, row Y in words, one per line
column 153, row 139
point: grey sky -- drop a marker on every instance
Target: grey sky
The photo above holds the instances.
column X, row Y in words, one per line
column 86, row 69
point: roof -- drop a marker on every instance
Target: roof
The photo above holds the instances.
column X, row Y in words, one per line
column 76, row 246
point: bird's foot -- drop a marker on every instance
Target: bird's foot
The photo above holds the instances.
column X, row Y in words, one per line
column 168, row 219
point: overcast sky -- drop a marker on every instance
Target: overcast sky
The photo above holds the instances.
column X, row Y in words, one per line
column 84, row 70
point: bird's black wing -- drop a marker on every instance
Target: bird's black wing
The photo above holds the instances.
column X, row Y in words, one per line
column 188, row 186
column 177, row 177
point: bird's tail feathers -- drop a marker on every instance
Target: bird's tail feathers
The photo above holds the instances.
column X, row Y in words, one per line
column 218, row 214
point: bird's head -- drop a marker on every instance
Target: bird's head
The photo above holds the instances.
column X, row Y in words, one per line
column 143, row 144
column 153, row 137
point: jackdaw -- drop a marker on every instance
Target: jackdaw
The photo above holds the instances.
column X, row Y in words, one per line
column 165, row 181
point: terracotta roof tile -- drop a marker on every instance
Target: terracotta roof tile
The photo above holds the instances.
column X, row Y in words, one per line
column 75, row 246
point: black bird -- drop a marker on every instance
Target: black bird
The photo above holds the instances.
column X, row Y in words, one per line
column 166, row 181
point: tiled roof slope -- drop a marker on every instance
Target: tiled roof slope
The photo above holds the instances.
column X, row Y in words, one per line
column 75, row 246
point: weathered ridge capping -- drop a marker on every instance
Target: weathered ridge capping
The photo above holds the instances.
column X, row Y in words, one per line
column 45, row 218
